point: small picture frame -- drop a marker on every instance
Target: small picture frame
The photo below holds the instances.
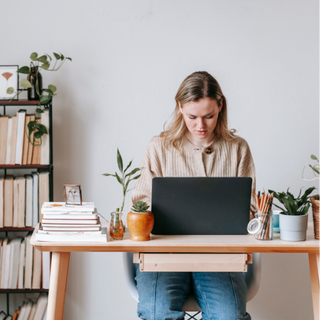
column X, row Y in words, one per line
column 72, row 194
column 9, row 77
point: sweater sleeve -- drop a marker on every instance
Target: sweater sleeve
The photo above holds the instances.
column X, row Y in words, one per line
column 246, row 169
column 151, row 167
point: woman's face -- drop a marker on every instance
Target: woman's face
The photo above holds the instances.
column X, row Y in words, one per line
column 201, row 119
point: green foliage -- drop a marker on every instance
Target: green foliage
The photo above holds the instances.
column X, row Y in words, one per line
column 293, row 206
column 43, row 62
column 315, row 168
column 140, row 206
column 123, row 178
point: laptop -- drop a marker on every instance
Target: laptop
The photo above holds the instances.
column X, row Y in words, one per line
column 201, row 205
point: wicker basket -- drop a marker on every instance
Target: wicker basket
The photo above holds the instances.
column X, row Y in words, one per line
column 315, row 213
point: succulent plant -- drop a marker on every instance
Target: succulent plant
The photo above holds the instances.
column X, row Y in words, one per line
column 140, row 206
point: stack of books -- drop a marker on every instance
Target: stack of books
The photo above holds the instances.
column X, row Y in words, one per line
column 63, row 223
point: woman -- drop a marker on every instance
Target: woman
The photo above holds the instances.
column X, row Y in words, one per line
column 197, row 143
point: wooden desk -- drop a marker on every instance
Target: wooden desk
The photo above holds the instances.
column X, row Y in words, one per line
column 191, row 244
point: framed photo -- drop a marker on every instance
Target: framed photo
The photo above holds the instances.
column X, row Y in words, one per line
column 72, row 194
column 9, row 77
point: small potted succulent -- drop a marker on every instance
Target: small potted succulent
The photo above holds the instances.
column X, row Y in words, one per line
column 314, row 199
column 140, row 221
column 293, row 218
column 124, row 178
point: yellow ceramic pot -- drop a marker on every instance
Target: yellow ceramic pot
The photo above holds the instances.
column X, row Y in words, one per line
column 140, row 225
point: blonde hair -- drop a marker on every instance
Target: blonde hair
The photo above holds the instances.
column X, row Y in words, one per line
column 196, row 86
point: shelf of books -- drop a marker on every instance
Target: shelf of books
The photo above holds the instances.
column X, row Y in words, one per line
column 26, row 182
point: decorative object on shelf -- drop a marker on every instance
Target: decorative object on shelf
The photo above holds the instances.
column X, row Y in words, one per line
column 36, row 88
column 116, row 225
column 140, row 221
column 314, row 199
column 33, row 84
column 293, row 218
column 124, row 179
column 72, row 194
column 9, row 78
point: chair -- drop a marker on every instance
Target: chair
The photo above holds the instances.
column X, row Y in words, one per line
column 252, row 278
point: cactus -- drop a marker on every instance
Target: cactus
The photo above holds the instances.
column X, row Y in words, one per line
column 140, row 206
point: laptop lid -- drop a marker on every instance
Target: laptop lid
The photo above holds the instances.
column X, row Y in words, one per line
column 201, row 205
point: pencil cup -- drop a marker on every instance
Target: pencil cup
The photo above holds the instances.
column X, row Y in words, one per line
column 266, row 229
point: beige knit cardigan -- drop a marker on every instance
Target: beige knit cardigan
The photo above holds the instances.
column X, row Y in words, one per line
column 228, row 159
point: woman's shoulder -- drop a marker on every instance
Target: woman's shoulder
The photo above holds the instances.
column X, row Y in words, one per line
column 155, row 145
column 237, row 143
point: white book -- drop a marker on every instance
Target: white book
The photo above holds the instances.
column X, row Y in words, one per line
column 1, row 202
column 56, row 207
column 29, row 262
column 29, row 200
column 63, row 227
column 70, row 216
column 7, row 267
column 35, row 218
column 41, row 306
column 20, row 135
column 75, row 222
column 28, row 310
column 80, row 237
column 22, row 201
column 9, row 137
column 22, row 261
column 45, row 146
column 45, row 314
column 36, row 272
column 22, row 311
column 33, row 311
column 14, row 263
column 15, row 202
column 45, row 269
column 3, row 261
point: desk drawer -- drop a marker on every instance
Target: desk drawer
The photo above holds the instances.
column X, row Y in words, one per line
column 188, row 262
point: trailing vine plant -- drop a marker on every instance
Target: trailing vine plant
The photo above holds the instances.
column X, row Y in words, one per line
column 37, row 63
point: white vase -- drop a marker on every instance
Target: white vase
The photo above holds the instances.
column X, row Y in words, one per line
column 293, row 228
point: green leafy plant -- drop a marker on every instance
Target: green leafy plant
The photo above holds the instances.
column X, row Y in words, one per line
column 43, row 62
column 316, row 171
column 124, row 178
column 293, row 206
column 140, row 206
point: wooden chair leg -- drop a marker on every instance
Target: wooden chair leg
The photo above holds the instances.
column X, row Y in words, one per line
column 314, row 275
column 58, row 285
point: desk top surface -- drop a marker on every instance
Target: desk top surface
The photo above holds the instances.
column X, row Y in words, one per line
column 194, row 243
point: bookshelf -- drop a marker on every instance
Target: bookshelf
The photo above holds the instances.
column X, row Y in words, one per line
column 5, row 107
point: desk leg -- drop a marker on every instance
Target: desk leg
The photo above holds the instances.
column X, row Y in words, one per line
column 314, row 275
column 58, row 285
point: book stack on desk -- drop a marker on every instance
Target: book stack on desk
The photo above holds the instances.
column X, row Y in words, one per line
column 61, row 222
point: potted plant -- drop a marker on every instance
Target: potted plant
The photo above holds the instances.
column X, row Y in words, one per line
column 33, row 84
column 314, row 199
column 140, row 221
column 293, row 218
column 124, row 178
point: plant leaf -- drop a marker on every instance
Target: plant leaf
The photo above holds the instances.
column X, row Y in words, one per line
column 128, row 166
column 133, row 172
column 25, row 84
column 10, row 90
column 24, row 70
column 45, row 65
column 42, row 58
column 57, row 56
column 52, row 87
column 109, row 174
column 38, row 110
column 48, row 90
column 119, row 160
column 33, row 56
column 62, row 56
column 69, row 58
column 119, row 179
column 49, row 57
column 45, row 99
column 41, row 128
column 38, row 134
column 313, row 157
column 315, row 168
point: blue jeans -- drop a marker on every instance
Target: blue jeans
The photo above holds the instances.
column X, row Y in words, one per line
column 220, row 295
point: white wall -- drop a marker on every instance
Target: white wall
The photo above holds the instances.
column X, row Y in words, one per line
column 129, row 58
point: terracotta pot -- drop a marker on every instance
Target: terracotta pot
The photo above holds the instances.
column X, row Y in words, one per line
column 315, row 213
column 140, row 225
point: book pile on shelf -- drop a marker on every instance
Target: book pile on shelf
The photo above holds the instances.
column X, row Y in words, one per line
column 22, row 266
column 21, row 198
column 61, row 222
column 30, row 310
column 15, row 148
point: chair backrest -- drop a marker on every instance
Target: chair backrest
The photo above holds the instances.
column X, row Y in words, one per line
column 252, row 278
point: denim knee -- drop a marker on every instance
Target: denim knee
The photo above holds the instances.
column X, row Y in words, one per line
column 162, row 294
